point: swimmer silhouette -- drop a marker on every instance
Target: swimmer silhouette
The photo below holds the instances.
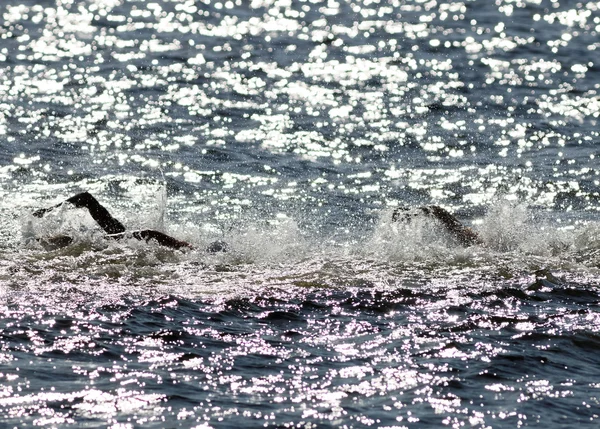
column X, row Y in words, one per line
column 464, row 235
column 115, row 229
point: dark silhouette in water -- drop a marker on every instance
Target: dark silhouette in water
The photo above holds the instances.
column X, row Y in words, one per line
column 115, row 229
column 464, row 235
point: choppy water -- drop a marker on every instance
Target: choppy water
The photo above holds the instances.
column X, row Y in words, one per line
column 291, row 129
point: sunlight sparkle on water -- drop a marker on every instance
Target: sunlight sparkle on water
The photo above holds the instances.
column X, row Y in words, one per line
column 291, row 130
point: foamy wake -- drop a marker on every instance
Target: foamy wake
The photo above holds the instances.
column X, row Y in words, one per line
column 508, row 228
column 512, row 235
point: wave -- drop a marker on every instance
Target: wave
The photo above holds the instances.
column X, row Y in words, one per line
column 277, row 252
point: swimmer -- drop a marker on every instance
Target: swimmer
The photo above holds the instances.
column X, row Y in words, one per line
column 464, row 235
column 115, row 229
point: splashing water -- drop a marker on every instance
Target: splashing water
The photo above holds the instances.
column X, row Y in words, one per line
column 290, row 130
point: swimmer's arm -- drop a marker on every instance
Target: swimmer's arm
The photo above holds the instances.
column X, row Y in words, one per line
column 160, row 237
column 465, row 235
column 98, row 212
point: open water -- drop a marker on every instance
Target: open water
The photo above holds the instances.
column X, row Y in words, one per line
column 291, row 129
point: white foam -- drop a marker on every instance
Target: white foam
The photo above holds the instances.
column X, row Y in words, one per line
column 420, row 239
column 265, row 250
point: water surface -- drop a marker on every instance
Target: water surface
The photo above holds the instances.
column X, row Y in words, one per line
column 291, row 129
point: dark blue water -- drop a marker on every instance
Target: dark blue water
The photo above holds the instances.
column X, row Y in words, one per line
column 291, row 130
